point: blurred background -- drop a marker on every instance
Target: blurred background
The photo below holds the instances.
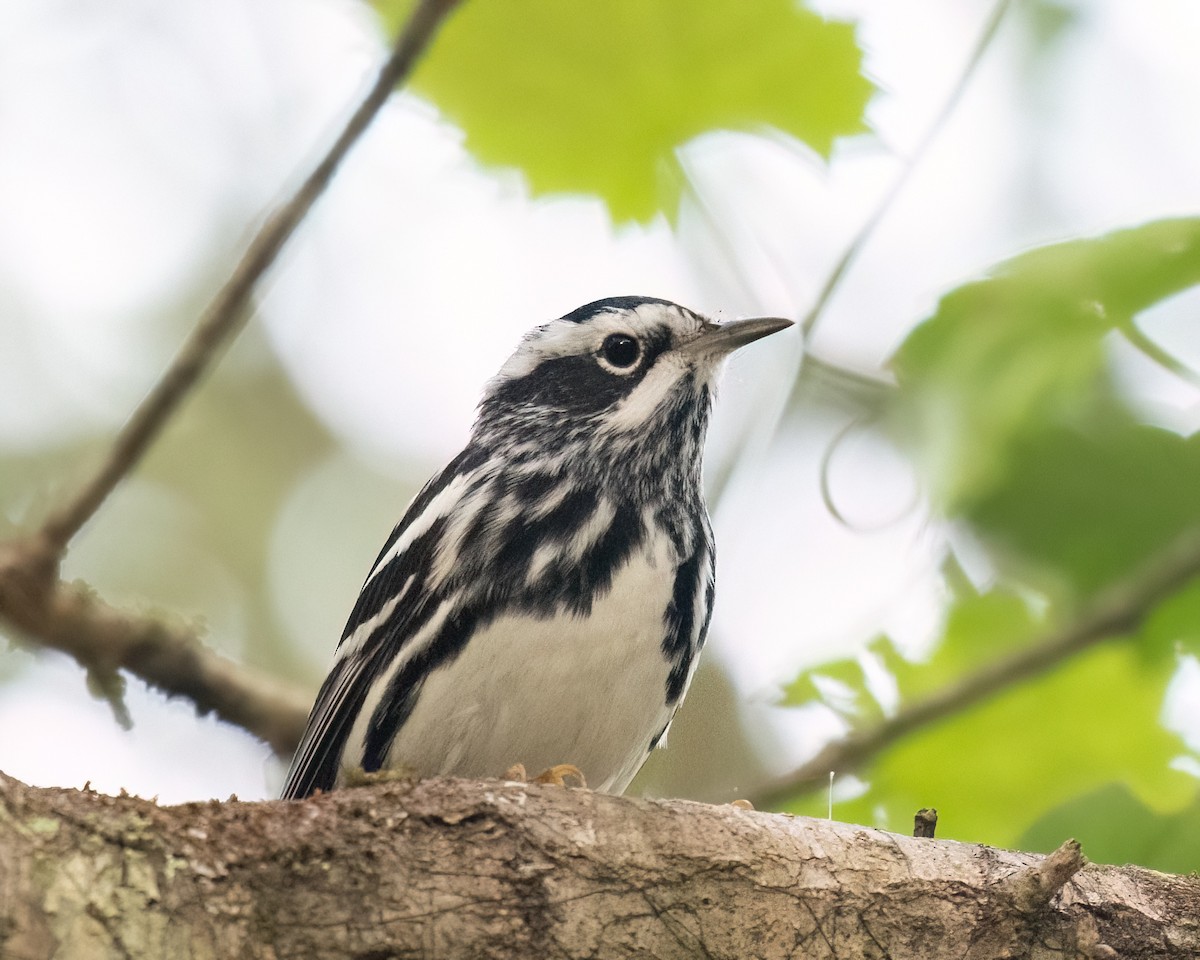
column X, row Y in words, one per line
column 141, row 142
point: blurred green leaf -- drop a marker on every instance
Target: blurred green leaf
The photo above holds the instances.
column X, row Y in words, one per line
column 978, row 629
column 996, row 768
column 1006, row 397
column 1048, row 22
column 804, row 688
column 1006, row 356
column 596, row 97
column 1174, row 627
column 1115, row 827
column 1091, row 503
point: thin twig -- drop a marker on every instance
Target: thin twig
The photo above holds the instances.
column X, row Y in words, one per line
column 720, row 479
column 69, row 618
column 1118, row 610
column 227, row 313
column 865, row 232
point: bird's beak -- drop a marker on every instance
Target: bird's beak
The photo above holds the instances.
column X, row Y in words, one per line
column 719, row 339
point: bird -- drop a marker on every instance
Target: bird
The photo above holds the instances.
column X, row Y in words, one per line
column 543, row 601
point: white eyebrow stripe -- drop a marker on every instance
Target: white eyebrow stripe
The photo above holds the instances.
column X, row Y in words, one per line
column 565, row 338
column 558, row 338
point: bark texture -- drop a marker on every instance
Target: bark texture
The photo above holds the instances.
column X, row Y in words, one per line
column 453, row 868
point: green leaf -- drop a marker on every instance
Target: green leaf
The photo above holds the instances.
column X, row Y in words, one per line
column 1092, row 503
column 978, row 629
column 1007, row 400
column 1174, row 626
column 596, row 97
column 804, row 689
column 1115, row 827
column 993, row 770
column 1008, row 355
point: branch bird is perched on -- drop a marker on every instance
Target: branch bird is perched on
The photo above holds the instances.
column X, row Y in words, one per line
column 545, row 597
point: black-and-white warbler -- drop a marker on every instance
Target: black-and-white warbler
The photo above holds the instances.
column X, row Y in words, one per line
column 544, row 599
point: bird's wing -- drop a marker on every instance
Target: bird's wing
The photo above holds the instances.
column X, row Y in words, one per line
column 392, row 605
column 316, row 761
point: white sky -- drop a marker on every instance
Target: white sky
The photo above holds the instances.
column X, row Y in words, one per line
column 135, row 136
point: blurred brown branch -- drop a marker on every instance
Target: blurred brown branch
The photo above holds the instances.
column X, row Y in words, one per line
column 63, row 616
column 227, row 313
column 1120, row 609
column 70, row 618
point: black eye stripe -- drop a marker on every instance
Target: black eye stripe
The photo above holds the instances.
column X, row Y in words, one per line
column 572, row 385
column 577, row 384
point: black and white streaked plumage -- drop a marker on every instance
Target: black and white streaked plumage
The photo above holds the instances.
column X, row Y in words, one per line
column 545, row 597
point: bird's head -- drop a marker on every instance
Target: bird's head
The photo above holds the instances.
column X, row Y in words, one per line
column 617, row 372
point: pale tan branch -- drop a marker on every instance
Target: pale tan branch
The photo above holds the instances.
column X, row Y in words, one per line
column 1119, row 610
column 485, row 869
column 1033, row 888
column 228, row 312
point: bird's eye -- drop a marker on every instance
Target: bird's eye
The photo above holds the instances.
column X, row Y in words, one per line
column 620, row 350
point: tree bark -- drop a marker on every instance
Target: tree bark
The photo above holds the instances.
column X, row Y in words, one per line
column 456, row 868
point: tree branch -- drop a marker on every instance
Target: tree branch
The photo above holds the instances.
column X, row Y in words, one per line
column 1118, row 610
column 227, row 313
column 72, row 619
column 66, row 617
column 485, row 869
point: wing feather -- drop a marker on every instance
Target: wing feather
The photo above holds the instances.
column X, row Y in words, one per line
column 315, row 764
column 393, row 604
